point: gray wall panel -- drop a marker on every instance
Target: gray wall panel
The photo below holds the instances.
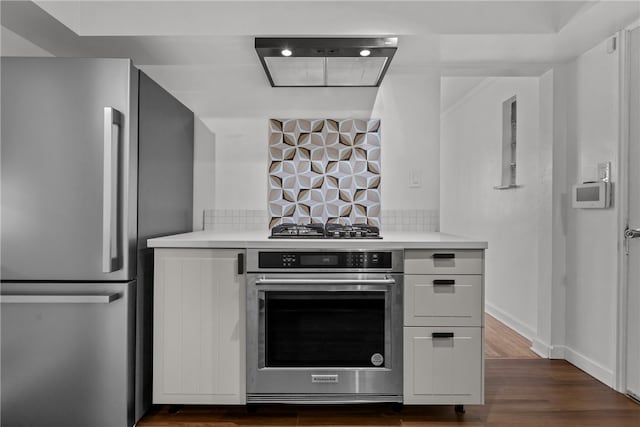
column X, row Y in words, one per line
column 165, row 203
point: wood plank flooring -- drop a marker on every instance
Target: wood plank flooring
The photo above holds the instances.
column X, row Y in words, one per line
column 519, row 392
column 502, row 342
column 521, row 389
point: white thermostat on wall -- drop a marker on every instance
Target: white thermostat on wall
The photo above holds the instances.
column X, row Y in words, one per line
column 591, row 195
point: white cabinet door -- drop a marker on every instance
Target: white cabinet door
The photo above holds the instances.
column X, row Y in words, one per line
column 443, row 365
column 199, row 327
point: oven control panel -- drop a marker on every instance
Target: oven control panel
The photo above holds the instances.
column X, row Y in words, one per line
column 320, row 260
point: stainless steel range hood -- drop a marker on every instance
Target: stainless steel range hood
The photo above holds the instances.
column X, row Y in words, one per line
column 326, row 62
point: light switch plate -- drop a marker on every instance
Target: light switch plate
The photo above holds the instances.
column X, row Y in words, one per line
column 415, row 178
column 604, row 171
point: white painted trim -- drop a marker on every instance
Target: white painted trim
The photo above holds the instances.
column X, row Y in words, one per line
column 540, row 348
column 623, row 213
column 557, row 352
column 590, row 366
column 467, row 96
column 510, row 321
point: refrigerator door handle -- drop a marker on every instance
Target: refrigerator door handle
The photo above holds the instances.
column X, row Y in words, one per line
column 60, row 299
column 112, row 130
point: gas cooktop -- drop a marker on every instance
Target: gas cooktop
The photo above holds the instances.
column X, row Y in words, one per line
column 325, row 231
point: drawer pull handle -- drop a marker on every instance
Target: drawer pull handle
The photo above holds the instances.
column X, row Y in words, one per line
column 240, row 264
column 444, row 282
column 442, row 335
column 444, row 256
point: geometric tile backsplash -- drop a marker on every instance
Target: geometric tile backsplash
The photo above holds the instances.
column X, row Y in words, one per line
column 324, row 170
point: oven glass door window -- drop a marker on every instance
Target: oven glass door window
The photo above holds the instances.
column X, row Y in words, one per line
column 325, row 329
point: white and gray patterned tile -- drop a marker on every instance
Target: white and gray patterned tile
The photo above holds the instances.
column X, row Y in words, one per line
column 324, row 170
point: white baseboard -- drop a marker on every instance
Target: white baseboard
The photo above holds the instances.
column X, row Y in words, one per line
column 557, row 352
column 582, row 362
column 591, row 367
column 541, row 348
column 510, row 321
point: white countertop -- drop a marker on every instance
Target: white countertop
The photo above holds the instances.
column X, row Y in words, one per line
column 260, row 240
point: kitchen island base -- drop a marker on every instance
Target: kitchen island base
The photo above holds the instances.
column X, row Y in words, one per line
column 200, row 311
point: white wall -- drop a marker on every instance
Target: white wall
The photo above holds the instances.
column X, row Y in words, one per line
column 204, row 167
column 409, row 104
column 557, row 306
column 567, row 256
column 509, row 220
column 547, row 259
column 406, row 103
column 591, row 235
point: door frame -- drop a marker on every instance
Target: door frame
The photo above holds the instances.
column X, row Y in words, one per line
column 623, row 203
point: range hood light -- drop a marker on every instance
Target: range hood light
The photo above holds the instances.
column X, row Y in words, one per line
column 326, row 62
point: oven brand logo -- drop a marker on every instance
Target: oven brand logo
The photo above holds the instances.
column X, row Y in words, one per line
column 324, row 170
column 377, row 359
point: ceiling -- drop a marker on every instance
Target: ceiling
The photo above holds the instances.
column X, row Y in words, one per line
column 201, row 50
column 320, row 17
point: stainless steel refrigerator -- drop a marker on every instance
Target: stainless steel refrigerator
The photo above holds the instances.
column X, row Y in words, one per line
column 95, row 159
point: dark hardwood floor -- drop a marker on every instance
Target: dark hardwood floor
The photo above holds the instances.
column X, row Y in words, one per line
column 521, row 389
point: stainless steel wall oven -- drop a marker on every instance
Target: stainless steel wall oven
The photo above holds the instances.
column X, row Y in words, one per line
column 324, row 326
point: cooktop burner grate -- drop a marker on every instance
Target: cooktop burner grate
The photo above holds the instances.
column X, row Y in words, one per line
column 325, row 231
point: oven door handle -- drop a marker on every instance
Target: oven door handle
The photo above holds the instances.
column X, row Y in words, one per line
column 325, row 281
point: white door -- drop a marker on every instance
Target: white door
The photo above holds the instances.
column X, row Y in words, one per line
column 633, row 296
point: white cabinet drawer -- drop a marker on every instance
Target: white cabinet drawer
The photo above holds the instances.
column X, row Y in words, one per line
column 443, row 365
column 443, row 300
column 443, row 261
